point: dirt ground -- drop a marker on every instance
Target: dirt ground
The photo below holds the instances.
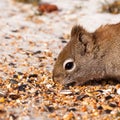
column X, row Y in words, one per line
column 29, row 46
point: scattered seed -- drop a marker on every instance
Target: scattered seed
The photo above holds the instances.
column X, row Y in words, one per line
column 61, row 37
column 13, row 117
column 29, row 92
column 7, row 37
column 108, row 111
column 69, row 116
column 101, row 91
column 15, row 76
column 37, row 92
column 12, row 81
column 66, row 92
column 118, row 114
column 113, row 105
column 22, row 88
column 53, row 115
column 2, row 99
column 2, row 111
column 20, row 73
column 113, row 8
column 64, row 41
column 72, row 109
column 99, row 107
column 15, row 30
column 33, row 75
column 55, row 59
column 84, row 108
column 12, row 64
column 108, row 97
column 49, row 108
column 14, row 97
column 2, row 93
column 37, row 52
column 80, row 97
column 118, row 91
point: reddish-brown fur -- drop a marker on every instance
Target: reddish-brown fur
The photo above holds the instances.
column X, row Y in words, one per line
column 96, row 55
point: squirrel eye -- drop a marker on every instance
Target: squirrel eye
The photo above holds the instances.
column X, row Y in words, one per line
column 69, row 65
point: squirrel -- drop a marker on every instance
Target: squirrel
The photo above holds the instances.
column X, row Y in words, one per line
column 89, row 56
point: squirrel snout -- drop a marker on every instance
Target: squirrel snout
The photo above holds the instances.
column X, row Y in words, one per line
column 57, row 78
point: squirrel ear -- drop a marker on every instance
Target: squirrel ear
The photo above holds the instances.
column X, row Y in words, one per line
column 83, row 37
column 76, row 30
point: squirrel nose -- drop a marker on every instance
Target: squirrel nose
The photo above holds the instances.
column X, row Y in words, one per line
column 57, row 78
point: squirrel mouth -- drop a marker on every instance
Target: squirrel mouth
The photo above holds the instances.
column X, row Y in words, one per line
column 70, row 84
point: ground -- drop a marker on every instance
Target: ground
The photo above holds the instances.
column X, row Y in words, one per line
column 29, row 45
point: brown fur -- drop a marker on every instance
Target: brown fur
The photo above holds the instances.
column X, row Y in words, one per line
column 96, row 55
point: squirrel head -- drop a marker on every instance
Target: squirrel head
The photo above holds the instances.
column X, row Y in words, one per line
column 72, row 64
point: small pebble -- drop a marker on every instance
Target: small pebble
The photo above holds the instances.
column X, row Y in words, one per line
column 45, row 7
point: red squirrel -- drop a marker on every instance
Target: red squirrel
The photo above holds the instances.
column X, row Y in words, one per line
column 89, row 56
